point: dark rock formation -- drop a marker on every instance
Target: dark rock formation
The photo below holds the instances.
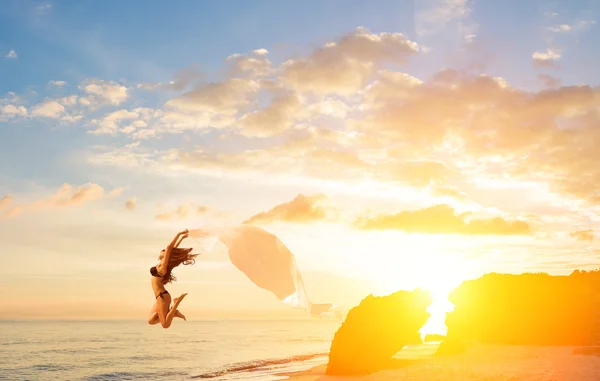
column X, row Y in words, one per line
column 526, row 309
column 375, row 330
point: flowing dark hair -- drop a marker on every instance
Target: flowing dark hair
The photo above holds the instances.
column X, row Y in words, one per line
column 178, row 256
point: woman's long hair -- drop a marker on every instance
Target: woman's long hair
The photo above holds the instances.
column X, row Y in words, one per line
column 178, row 256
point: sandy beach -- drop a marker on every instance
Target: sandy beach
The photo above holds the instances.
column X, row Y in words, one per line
column 484, row 362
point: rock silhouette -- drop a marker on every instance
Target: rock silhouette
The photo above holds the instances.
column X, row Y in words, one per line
column 376, row 330
column 526, row 309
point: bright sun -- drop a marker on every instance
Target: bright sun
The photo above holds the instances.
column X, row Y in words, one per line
column 437, row 274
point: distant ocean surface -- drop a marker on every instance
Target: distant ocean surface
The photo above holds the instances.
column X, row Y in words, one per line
column 133, row 350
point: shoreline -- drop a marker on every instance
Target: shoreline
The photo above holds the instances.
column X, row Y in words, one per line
column 408, row 356
column 482, row 361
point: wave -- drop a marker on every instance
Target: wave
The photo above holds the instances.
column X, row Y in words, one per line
column 117, row 376
column 259, row 364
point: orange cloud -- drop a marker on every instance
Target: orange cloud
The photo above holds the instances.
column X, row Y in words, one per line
column 181, row 212
column 343, row 66
column 275, row 119
column 300, row 209
column 131, row 203
column 5, row 201
column 583, row 235
column 442, row 219
column 389, row 127
column 67, row 195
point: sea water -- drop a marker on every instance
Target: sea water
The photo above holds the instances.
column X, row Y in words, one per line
column 133, row 350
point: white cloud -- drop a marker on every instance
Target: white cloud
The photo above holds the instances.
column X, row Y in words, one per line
column 560, row 28
column 11, row 55
column 182, row 79
column 104, row 92
column 579, row 26
column 11, row 111
column 58, row 83
column 67, row 109
column 49, row 109
column 329, row 107
column 257, row 65
column 110, row 124
column 546, row 59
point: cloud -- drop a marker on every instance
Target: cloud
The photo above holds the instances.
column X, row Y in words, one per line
column 482, row 129
column 343, row 67
column 111, row 123
column 390, row 86
column 301, row 209
column 49, row 109
column 131, row 203
column 100, row 92
column 12, row 111
column 227, row 97
column 182, row 79
column 442, row 219
column 453, row 129
column 11, row 55
column 546, row 59
column 256, row 65
column 5, row 201
column 65, row 196
column 275, row 119
column 182, row 212
column 58, row 83
column 579, row 26
column 562, row 28
column 583, row 235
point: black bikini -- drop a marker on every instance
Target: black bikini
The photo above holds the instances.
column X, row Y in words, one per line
column 155, row 273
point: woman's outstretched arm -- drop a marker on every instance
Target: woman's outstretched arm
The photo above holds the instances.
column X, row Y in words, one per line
column 184, row 236
column 171, row 245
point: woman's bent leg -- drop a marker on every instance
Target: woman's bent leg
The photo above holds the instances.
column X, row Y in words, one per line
column 153, row 318
column 171, row 314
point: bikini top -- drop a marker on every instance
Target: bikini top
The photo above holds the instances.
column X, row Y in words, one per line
column 154, row 272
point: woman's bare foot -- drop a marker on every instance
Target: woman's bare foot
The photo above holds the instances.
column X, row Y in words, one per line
column 177, row 301
column 180, row 315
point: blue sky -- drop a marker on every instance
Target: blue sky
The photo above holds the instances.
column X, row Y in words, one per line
column 380, row 107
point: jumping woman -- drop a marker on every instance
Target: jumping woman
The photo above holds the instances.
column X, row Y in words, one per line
column 170, row 257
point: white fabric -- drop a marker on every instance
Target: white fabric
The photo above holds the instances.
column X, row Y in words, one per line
column 264, row 259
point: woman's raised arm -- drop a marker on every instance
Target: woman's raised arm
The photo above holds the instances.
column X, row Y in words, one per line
column 171, row 245
column 184, row 236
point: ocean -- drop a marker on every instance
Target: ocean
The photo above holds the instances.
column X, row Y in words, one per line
column 133, row 350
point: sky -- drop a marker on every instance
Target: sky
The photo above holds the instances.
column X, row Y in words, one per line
column 389, row 144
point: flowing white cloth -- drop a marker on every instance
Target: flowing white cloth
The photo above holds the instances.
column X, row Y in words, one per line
column 264, row 259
